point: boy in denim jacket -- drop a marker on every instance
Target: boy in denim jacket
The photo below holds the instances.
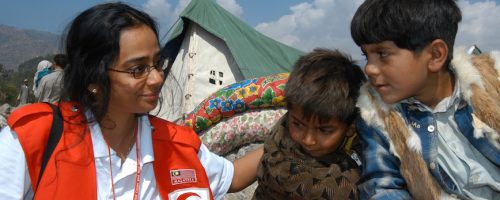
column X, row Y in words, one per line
column 431, row 123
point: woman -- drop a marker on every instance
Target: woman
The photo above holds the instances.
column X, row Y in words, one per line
column 110, row 147
column 42, row 69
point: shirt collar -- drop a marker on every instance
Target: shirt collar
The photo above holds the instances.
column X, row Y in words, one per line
column 145, row 140
column 450, row 102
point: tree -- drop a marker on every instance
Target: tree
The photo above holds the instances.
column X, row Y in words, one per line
column 11, row 80
column 2, row 71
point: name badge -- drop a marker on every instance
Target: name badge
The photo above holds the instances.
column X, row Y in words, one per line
column 181, row 176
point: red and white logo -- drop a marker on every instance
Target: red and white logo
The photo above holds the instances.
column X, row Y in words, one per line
column 190, row 194
column 180, row 176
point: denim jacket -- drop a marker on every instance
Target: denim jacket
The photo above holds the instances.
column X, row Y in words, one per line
column 376, row 147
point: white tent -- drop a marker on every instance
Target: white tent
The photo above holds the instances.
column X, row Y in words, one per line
column 210, row 49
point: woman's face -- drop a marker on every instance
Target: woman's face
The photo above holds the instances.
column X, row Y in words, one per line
column 138, row 46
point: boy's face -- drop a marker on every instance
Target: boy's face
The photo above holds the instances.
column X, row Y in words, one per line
column 396, row 73
column 317, row 139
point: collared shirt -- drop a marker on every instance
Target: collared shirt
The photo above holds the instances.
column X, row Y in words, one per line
column 473, row 174
column 15, row 181
column 3, row 121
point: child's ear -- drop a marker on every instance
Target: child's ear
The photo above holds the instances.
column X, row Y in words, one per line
column 439, row 54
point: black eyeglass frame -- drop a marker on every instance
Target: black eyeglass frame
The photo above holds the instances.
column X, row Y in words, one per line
column 163, row 62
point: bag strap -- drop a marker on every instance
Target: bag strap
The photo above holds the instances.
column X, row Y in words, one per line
column 54, row 137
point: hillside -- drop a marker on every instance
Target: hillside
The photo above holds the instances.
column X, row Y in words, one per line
column 19, row 45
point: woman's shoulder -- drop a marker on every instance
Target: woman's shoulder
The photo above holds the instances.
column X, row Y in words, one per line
column 165, row 130
column 154, row 120
column 28, row 113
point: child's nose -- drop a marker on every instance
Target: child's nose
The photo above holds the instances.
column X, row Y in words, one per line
column 309, row 138
column 371, row 69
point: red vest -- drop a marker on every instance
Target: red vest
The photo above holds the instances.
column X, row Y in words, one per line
column 70, row 172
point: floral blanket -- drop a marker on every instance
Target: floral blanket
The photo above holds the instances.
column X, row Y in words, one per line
column 240, row 130
column 258, row 93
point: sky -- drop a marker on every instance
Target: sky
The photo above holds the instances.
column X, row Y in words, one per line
column 303, row 24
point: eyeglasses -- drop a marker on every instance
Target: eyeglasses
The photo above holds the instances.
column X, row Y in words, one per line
column 142, row 70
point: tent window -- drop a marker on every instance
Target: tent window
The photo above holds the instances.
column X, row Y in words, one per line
column 214, row 79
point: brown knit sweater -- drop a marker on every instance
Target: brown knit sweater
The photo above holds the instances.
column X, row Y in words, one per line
column 286, row 172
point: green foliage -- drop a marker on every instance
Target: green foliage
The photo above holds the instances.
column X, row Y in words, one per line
column 10, row 81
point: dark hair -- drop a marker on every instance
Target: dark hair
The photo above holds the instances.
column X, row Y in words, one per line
column 410, row 24
column 92, row 46
column 325, row 84
column 60, row 60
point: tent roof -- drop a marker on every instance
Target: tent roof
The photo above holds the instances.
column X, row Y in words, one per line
column 256, row 54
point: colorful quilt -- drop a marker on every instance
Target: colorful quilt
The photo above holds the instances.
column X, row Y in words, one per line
column 257, row 93
column 240, row 130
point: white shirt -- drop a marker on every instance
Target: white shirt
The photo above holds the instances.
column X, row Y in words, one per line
column 15, row 181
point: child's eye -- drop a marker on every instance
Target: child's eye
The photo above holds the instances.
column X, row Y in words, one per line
column 382, row 54
column 326, row 131
column 296, row 124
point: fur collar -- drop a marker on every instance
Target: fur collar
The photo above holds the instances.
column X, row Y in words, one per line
column 468, row 75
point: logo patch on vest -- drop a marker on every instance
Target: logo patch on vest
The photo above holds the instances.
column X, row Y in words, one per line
column 180, row 176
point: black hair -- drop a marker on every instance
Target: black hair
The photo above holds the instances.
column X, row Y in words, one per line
column 60, row 60
column 325, row 84
column 410, row 24
column 92, row 46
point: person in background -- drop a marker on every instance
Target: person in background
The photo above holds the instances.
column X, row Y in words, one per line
column 51, row 85
column 110, row 148
column 3, row 121
column 42, row 69
column 431, row 113
column 23, row 93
